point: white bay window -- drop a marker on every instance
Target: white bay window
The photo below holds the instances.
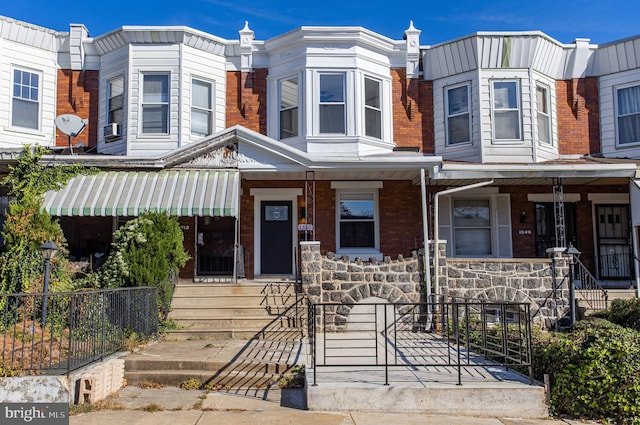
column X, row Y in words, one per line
column 155, row 103
column 505, row 108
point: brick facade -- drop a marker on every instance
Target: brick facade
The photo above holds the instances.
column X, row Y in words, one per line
column 412, row 101
column 247, row 99
column 578, row 114
column 77, row 94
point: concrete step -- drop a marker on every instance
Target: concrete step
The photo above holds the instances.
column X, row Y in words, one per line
column 207, row 312
column 222, row 334
column 227, row 380
column 264, row 289
column 240, row 322
column 622, row 293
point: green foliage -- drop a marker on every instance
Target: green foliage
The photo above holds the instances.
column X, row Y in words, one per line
column 191, row 384
column 623, row 312
column 147, row 251
column 594, row 371
column 27, row 227
column 294, row 379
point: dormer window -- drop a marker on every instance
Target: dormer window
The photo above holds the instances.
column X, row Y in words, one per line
column 372, row 108
column 332, row 104
column 288, row 92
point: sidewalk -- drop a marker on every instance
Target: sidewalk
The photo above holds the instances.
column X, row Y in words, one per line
column 175, row 406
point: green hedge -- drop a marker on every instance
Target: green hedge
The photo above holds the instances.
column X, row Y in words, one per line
column 623, row 312
column 594, row 371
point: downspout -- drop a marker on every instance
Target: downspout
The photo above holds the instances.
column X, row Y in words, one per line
column 425, row 236
column 236, row 236
column 436, row 213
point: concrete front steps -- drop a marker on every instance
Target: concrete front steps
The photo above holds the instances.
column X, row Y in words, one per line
column 232, row 311
column 231, row 336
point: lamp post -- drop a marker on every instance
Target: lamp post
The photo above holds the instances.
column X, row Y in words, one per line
column 573, row 255
column 49, row 250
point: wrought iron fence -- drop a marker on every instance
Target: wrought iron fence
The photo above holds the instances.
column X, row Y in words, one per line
column 456, row 333
column 56, row 333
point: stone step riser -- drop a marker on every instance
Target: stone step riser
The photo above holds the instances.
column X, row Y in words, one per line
column 217, row 335
column 209, row 367
column 229, row 301
column 214, row 313
column 233, row 290
column 251, row 380
column 239, row 323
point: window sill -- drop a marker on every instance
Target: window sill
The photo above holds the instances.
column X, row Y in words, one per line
column 153, row 136
column 21, row 130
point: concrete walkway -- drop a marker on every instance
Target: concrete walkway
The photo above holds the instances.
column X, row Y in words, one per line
column 174, row 406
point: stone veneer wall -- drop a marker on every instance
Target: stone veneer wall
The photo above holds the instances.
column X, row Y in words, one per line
column 328, row 279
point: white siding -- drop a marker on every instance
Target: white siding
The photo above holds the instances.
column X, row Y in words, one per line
column 37, row 60
column 508, row 151
column 607, row 87
column 111, row 65
column 161, row 58
column 207, row 67
column 463, row 152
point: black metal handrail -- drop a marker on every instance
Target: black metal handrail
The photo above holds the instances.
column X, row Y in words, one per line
column 76, row 328
column 454, row 332
column 589, row 288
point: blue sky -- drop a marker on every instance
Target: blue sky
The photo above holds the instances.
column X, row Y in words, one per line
column 601, row 21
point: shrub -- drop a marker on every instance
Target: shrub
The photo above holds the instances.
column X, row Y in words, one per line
column 147, row 251
column 594, row 371
column 623, row 312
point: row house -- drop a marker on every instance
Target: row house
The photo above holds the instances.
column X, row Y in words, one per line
column 500, row 144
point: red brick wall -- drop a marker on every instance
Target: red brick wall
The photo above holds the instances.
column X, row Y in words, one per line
column 247, row 100
column 578, row 116
column 77, row 94
column 412, row 101
column 400, row 217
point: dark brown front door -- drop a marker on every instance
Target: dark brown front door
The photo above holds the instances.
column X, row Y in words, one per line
column 276, row 237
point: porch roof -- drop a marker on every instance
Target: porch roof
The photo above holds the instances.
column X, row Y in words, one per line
column 130, row 193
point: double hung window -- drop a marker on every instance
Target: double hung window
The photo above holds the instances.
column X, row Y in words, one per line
column 543, row 116
column 288, row 108
column 115, row 100
column 372, row 108
column 332, row 104
column 472, row 227
column 458, row 117
column 357, row 220
column 628, row 115
column 155, row 103
column 26, row 99
column 506, row 110
column 201, row 107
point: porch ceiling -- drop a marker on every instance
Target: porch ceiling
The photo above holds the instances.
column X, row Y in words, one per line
column 178, row 192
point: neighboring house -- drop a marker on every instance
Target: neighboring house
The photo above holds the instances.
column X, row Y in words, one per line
column 325, row 133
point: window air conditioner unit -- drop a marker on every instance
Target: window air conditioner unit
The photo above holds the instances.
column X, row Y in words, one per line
column 112, row 131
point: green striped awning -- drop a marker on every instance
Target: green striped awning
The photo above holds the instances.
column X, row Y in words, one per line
column 130, row 193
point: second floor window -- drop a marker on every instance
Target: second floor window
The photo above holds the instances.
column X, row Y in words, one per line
column 543, row 116
column 26, row 99
column 372, row 108
column 506, row 110
column 458, row 117
column 288, row 108
column 201, row 107
column 155, row 103
column 332, row 104
column 628, row 115
column 115, row 102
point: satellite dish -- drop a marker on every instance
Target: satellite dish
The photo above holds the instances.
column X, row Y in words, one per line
column 69, row 124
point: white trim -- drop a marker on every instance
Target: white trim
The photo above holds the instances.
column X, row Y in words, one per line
column 608, row 198
column 548, row 197
column 373, row 184
column 360, row 252
column 492, row 99
column 40, row 88
column 280, row 194
column 447, row 135
column 616, row 115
